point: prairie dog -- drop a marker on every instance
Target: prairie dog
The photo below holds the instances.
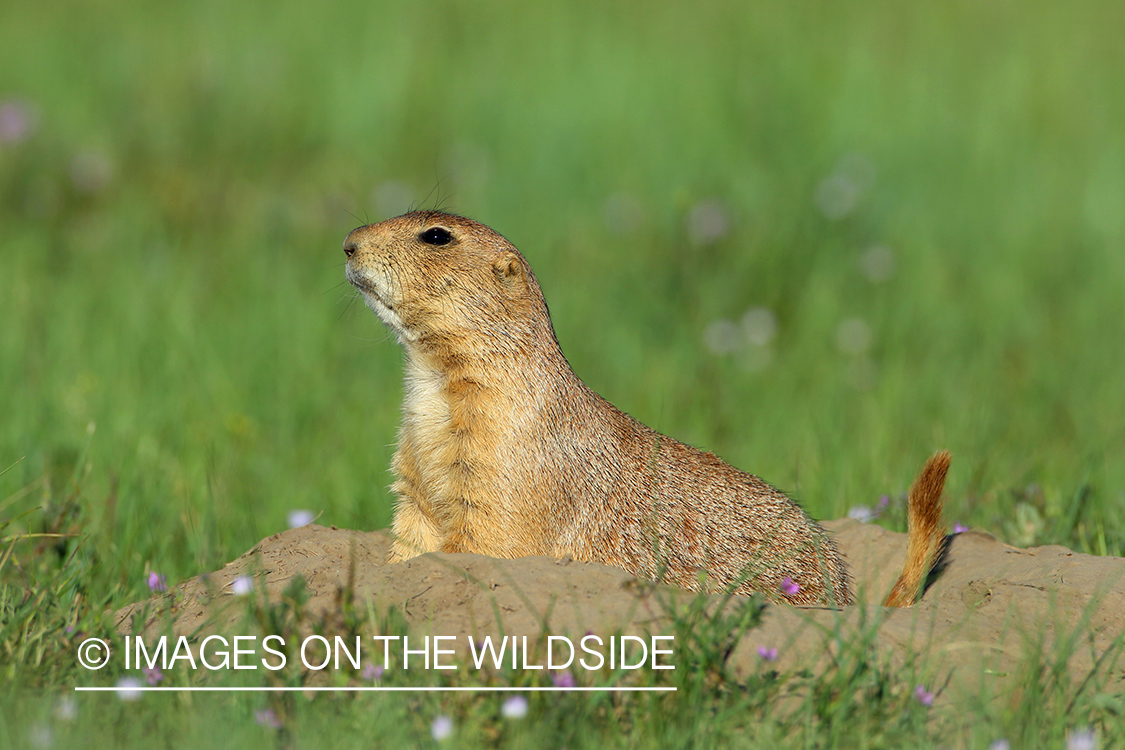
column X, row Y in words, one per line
column 504, row 451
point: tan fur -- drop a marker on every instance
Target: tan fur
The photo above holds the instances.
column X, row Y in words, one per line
column 926, row 537
column 504, row 451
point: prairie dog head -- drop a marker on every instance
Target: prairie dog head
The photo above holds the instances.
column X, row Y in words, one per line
column 440, row 281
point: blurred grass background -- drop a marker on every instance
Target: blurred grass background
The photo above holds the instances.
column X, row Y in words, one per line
column 922, row 206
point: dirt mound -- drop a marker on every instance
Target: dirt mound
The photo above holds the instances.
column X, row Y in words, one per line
column 992, row 606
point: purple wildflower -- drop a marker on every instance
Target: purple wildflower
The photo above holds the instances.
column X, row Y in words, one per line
column 1081, row 739
column 17, row 121
column 153, row 675
column 707, row 222
column 129, row 688
column 861, row 513
column 923, row 696
column 372, row 671
column 767, row 654
column 66, row 709
column 157, row 582
column 267, row 717
column 299, row 518
column 514, row 708
column 563, row 679
column 442, row 728
column 959, row 528
column 789, row 587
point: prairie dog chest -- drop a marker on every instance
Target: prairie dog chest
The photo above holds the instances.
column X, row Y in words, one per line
column 451, row 430
column 427, row 418
column 426, row 403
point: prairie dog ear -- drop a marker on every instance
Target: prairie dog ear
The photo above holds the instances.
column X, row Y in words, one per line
column 508, row 269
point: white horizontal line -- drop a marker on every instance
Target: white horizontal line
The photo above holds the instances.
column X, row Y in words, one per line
column 388, row 689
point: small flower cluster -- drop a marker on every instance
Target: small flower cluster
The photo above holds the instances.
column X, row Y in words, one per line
column 563, row 679
column 157, row 582
column 299, row 518
column 863, row 513
column 267, row 717
column 923, row 696
column 750, row 338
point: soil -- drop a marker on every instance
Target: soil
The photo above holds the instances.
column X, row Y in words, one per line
column 982, row 623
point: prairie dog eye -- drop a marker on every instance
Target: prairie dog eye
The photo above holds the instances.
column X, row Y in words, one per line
column 436, row 236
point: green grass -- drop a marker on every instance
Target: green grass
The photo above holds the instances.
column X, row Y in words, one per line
column 180, row 365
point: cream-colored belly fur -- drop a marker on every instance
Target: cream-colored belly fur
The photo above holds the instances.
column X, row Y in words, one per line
column 448, row 467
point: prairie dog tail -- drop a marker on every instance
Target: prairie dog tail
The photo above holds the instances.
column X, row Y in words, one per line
column 926, row 532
